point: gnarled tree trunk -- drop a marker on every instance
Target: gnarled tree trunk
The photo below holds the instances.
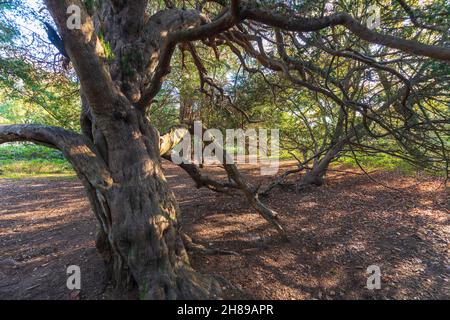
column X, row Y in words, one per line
column 139, row 231
column 118, row 156
column 316, row 175
column 140, row 237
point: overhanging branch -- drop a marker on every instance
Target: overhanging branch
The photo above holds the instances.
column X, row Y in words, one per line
column 344, row 19
column 75, row 147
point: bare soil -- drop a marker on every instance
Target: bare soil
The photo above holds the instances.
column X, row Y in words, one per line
column 336, row 232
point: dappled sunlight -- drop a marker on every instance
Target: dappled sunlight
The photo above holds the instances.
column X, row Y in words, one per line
column 336, row 232
column 45, row 226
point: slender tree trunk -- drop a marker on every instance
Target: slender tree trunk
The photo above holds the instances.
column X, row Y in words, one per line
column 317, row 174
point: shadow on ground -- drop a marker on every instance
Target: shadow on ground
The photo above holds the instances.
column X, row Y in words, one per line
column 335, row 231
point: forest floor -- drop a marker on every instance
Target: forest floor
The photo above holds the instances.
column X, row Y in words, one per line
column 336, row 232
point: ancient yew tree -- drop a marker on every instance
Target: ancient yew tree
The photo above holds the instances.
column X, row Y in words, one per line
column 117, row 156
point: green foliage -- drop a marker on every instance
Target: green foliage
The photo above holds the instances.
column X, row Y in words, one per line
column 33, row 93
column 28, row 160
column 91, row 5
column 109, row 54
column 28, row 151
column 37, row 168
column 164, row 113
column 377, row 161
column 31, row 89
column 37, row 97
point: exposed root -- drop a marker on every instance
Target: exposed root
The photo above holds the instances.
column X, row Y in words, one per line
column 192, row 246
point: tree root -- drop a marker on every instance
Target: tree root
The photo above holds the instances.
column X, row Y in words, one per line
column 192, row 246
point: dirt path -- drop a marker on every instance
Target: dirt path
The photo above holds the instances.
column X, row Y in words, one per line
column 336, row 232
